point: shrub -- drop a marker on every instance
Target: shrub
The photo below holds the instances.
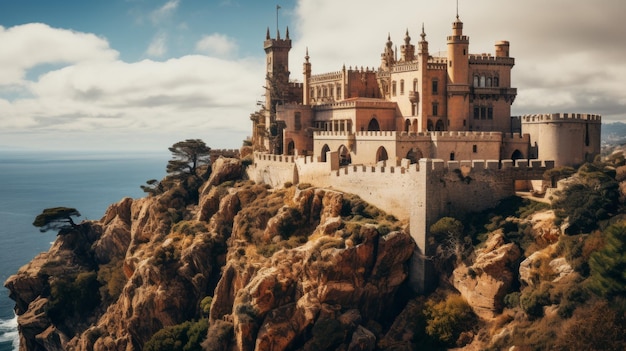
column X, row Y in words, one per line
column 73, row 295
column 186, row 336
column 596, row 326
column 112, row 280
column 607, row 265
column 533, row 300
column 447, row 319
column 219, row 334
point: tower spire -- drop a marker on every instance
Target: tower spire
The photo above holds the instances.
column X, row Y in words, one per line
column 457, row 9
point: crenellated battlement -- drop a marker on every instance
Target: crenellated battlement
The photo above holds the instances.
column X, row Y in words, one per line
column 560, row 117
column 297, row 85
column 487, row 59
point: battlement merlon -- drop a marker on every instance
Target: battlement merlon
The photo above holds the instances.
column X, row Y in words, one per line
column 485, row 59
column 561, row 118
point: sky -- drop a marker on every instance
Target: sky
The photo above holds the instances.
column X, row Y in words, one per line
column 140, row 75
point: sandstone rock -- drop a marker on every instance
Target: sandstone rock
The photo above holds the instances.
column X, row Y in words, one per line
column 485, row 283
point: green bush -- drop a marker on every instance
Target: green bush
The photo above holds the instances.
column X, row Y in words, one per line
column 186, row 336
column 447, row 319
column 608, row 265
column 112, row 280
column 72, row 296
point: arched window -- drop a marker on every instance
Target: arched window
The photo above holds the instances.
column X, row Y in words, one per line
column 344, row 156
column 517, row 155
column 415, row 84
column 401, row 86
column 476, row 81
column 325, row 149
column 414, row 155
column 482, row 81
column 393, row 88
column 488, row 81
column 291, row 146
column 407, row 125
column 439, row 126
column 452, row 156
column 373, row 126
column 435, row 86
column 496, row 81
column 381, row 154
column 429, row 125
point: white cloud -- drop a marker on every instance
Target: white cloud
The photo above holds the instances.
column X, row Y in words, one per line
column 216, row 44
column 158, row 46
column 97, row 100
column 164, row 12
column 30, row 45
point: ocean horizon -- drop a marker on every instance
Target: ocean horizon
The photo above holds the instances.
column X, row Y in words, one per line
column 33, row 180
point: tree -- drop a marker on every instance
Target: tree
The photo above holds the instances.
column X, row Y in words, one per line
column 189, row 155
column 56, row 218
column 450, row 240
column 153, row 187
column 609, row 264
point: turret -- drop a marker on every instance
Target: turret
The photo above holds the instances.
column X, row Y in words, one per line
column 423, row 44
column 387, row 57
column 458, row 78
column 458, row 62
column 407, row 50
column 502, row 49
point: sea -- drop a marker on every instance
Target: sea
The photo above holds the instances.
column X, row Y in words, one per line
column 31, row 181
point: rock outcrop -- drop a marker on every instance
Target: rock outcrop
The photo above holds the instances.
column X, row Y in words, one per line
column 283, row 266
column 485, row 283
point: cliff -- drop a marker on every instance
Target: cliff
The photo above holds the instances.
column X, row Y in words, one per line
column 276, row 262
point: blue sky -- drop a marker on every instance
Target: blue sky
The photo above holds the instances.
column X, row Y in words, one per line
column 143, row 74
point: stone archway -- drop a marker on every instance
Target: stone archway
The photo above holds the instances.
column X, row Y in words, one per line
column 373, row 126
column 381, row 154
column 440, row 126
column 414, row 155
column 344, row 156
column 517, row 155
column 325, row 149
column 291, row 146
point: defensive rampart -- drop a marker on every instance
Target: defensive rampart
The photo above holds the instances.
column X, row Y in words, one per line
column 421, row 193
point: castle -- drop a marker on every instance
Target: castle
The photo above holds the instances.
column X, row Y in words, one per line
column 421, row 136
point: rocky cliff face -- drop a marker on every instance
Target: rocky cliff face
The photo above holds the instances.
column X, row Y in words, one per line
column 281, row 265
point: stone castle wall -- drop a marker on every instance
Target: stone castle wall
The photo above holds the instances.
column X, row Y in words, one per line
column 421, row 193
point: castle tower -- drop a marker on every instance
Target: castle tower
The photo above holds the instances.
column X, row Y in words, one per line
column 276, row 84
column 458, row 78
column 306, row 71
column 407, row 50
column 277, row 68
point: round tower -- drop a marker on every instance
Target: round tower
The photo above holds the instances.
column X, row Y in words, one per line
column 502, row 49
column 458, row 78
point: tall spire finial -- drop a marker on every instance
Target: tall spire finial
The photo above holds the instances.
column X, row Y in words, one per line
column 423, row 35
column 457, row 9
